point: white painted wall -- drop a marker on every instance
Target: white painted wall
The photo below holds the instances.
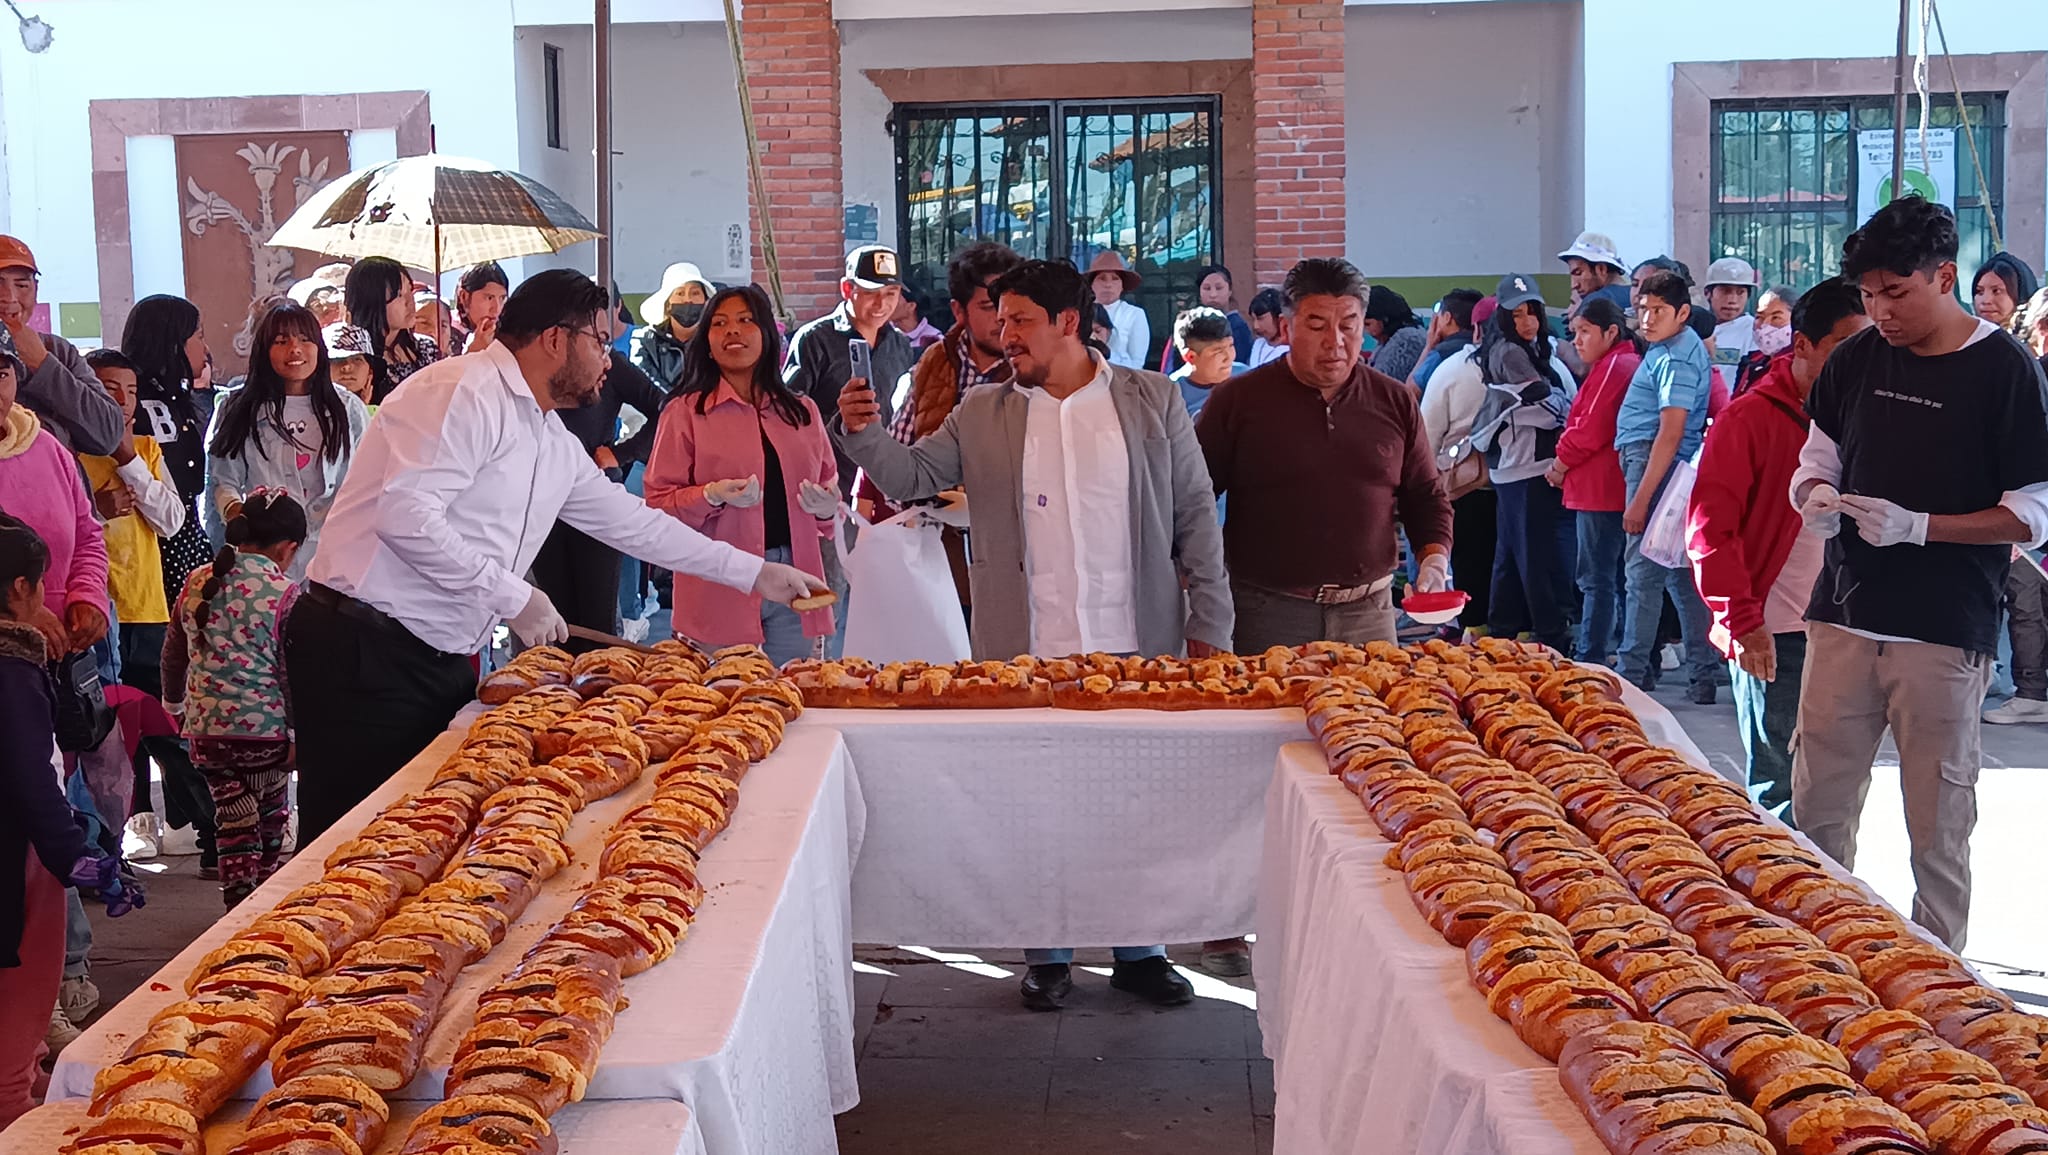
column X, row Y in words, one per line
column 1461, row 137
column 114, row 49
column 870, row 152
column 679, row 164
column 1628, row 80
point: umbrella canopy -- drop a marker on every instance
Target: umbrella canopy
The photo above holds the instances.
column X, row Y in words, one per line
column 476, row 212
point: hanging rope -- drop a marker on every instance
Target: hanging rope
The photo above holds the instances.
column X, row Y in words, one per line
column 1920, row 76
column 768, row 257
column 1969, row 130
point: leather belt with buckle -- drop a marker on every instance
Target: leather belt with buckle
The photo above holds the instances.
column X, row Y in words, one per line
column 1332, row 595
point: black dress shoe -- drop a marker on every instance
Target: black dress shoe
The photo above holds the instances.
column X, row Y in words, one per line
column 1700, row 694
column 1152, row 979
column 1046, row 986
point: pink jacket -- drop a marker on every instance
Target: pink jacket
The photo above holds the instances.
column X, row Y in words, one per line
column 42, row 486
column 692, row 449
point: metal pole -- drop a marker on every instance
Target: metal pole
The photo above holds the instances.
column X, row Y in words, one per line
column 1898, row 103
column 602, row 41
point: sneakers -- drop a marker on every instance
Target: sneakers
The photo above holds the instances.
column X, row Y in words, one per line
column 1046, row 986
column 1668, row 657
column 1229, row 958
column 78, row 998
column 142, row 838
column 2018, row 711
column 61, row 1031
column 176, row 840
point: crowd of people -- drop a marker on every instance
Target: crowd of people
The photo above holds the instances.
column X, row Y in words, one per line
column 296, row 571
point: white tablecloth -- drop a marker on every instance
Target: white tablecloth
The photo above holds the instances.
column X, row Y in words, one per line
column 1379, row 1041
column 750, row 1023
column 622, row 1127
column 1024, row 828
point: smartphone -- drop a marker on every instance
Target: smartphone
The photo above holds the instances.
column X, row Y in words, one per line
column 863, row 361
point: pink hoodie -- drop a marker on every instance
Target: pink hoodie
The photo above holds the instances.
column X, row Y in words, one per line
column 42, row 486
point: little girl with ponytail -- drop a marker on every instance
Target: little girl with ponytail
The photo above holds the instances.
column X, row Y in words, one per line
column 224, row 672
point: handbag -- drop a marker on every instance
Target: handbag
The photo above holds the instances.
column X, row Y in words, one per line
column 1462, row 467
column 1664, row 538
column 83, row 717
column 902, row 605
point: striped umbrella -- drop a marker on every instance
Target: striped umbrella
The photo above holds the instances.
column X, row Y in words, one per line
column 434, row 212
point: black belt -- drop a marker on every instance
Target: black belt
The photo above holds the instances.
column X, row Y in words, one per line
column 361, row 611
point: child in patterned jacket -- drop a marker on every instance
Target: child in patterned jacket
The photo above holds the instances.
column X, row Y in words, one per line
column 224, row 671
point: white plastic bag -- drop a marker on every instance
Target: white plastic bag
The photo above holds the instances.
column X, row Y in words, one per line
column 1665, row 535
column 902, row 605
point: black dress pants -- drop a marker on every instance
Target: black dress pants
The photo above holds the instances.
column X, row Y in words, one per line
column 367, row 696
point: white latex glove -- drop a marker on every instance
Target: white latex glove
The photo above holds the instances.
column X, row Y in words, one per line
column 740, row 493
column 1821, row 512
column 539, row 624
column 816, row 500
column 951, row 510
column 1433, row 576
column 786, row 583
column 1882, row 523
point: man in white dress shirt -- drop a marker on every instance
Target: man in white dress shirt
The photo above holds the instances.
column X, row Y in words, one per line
column 1092, row 510
column 452, row 492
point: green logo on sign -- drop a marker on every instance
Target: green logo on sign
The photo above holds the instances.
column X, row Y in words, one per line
column 1917, row 183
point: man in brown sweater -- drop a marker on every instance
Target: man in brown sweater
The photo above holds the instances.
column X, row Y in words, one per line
column 1321, row 455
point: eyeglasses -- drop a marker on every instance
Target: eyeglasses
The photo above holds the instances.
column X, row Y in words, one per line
column 591, row 333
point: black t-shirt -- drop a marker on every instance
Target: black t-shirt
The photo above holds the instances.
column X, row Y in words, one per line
column 774, row 497
column 1939, row 435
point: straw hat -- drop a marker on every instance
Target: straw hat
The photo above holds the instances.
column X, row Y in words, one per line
column 654, row 308
column 1111, row 261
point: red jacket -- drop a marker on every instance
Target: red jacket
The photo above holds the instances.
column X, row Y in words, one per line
column 1586, row 447
column 1741, row 523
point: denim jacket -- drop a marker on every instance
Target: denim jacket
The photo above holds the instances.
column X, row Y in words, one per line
column 267, row 461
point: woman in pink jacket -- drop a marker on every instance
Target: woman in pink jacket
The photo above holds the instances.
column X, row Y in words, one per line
column 742, row 458
column 40, row 484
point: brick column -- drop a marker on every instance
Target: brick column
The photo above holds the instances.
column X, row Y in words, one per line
column 1298, row 133
column 792, row 55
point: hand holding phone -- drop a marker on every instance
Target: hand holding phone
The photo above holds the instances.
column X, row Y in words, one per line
column 858, row 408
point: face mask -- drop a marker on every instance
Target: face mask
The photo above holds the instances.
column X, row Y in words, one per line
column 686, row 313
column 1772, row 340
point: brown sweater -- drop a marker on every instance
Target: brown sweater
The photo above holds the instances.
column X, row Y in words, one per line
column 1315, row 489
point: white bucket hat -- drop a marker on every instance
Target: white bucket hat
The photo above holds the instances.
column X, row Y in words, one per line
column 655, row 306
column 1731, row 271
column 1594, row 249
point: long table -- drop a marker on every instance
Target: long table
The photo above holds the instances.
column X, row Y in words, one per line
column 619, row 1127
column 1038, row 828
column 750, row 1023
column 1378, row 1040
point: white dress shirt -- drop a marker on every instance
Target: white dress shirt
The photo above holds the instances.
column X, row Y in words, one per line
column 1077, row 522
column 454, row 487
column 1130, row 335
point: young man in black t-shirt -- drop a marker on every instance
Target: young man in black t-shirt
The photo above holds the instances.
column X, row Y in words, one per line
column 1930, row 432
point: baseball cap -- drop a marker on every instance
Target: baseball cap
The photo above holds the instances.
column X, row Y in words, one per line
column 1731, row 271
column 873, row 267
column 1594, row 249
column 15, row 255
column 339, row 353
column 1517, row 290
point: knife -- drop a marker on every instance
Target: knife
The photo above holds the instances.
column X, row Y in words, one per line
column 600, row 637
